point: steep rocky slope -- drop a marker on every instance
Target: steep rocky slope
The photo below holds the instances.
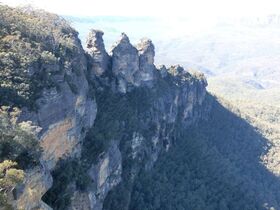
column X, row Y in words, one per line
column 41, row 52
column 135, row 105
column 215, row 165
column 138, row 107
column 117, row 132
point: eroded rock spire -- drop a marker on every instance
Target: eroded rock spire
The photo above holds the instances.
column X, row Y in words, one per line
column 130, row 66
column 146, row 51
column 96, row 49
column 125, row 62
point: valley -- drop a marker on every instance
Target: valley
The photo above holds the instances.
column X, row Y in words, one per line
column 93, row 116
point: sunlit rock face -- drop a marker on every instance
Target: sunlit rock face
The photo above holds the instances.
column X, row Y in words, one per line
column 129, row 66
column 37, row 182
column 96, row 49
column 65, row 115
column 125, row 63
column 146, row 51
column 105, row 175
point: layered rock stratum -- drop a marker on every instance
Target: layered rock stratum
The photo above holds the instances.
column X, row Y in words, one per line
column 85, row 84
column 115, row 130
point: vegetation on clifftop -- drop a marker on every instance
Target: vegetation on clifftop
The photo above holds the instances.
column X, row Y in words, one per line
column 34, row 47
column 215, row 164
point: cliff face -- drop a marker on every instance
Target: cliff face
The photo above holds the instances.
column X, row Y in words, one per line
column 64, row 115
column 140, row 109
column 104, row 118
column 43, row 73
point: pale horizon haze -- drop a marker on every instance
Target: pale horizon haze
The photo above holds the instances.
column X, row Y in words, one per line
column 174, row 8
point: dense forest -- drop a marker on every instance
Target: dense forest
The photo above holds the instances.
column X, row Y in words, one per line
column 208, row 155
column 214, row 165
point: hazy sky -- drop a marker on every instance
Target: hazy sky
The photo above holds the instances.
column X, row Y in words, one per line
column 184, row 8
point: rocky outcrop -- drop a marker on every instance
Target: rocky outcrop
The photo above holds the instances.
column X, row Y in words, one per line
column 156, row 102
column 37, row 182
column 125, row 63
column 64, row 115
column 96, row 49
column 105, row 174
column 146, row 51
column 131, row 66
column 104, row 120
column 171, row 97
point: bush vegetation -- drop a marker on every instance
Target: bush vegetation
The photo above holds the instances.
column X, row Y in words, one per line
column 19, row 150
column 10, row 176
column 17, row 141
column 213, row 165
column 34, row 46
column 68, row 173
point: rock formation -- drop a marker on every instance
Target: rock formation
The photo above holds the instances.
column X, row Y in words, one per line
column 106, row 116
column 96, row 49
column 65, row 117
column 115, row 131
column 64, row 114
column 125, row 63
column 170, row 96
column 146, row 51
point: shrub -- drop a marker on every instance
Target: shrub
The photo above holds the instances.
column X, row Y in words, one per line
column 17, row 141
column 30, row 40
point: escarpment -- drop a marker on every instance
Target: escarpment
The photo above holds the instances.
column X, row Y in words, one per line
column 103, row 117
column 139, row 109
column 43, row 72
column 91, row 129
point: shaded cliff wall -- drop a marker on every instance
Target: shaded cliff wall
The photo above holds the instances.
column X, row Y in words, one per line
column 140, row 109
column 102, row 116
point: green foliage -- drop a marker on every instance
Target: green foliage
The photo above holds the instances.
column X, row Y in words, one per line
column 177, row 75
column 114, row 111
column 106, row 126
column 214, row 165
column 120, row 200
column 67, row 172
column 34, row 46
column 17, row 145
column 17, row 141
column 259, row 107
column 10, row 176
column 48, row 57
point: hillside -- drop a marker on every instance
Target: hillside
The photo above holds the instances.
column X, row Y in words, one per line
column 240, row 58
column 215, row 165
column 84, row 128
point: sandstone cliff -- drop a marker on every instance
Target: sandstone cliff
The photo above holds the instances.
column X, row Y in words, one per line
column 104, row 118
column 139, row 109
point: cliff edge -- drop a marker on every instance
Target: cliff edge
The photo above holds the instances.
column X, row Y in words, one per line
column 102, row 116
